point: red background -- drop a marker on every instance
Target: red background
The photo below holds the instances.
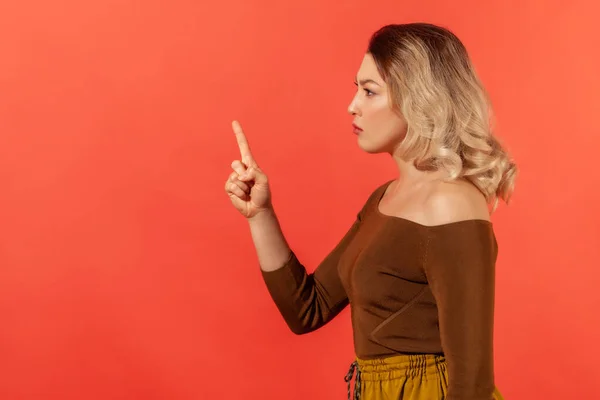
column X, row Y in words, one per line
column 126, row 274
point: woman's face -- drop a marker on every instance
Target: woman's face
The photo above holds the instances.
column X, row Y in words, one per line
column 381, row 128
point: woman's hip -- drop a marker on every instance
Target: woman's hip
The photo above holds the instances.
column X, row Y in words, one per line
column 401, row 377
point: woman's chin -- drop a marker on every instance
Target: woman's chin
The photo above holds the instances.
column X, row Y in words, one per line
column 368, row 147
column 372, row 148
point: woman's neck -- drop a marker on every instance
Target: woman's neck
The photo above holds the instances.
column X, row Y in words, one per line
column 410, row 176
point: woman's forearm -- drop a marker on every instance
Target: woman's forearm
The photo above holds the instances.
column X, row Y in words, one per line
column 271, row 247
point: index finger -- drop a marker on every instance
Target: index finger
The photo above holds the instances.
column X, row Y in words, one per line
column 247, row 158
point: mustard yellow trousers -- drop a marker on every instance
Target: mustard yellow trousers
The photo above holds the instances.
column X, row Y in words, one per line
column 402, row 377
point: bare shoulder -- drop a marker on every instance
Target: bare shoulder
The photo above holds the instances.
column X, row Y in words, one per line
column 450, row 202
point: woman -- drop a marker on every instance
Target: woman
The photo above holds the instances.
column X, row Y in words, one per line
column 417, row 265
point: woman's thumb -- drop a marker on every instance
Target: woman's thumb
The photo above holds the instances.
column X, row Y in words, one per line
column 253, row 173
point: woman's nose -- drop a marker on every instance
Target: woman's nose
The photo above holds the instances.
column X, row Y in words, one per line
column 352, row 109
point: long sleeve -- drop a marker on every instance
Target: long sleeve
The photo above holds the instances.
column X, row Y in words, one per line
column 309, row 301
column 460, row 268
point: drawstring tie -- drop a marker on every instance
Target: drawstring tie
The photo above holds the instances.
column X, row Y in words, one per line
column 348, row 379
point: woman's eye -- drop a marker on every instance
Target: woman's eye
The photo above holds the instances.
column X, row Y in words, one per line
column 369, row 93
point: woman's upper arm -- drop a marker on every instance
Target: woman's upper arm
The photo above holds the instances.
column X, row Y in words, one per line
column 460, row 269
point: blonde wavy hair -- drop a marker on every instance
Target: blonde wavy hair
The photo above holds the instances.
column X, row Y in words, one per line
column 433, row 84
